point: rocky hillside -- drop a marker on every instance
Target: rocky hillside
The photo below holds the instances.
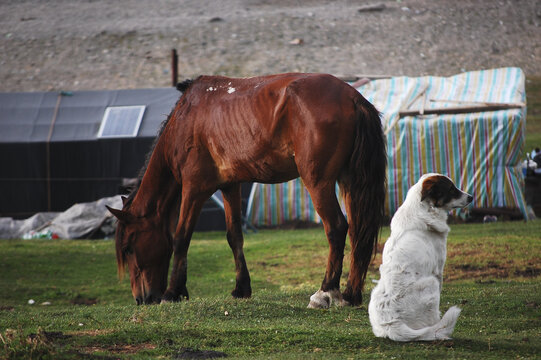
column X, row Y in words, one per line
column 98, row 44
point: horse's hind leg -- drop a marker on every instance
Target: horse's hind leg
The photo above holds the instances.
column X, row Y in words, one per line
column 190, row 207
column 232, row 204
column 334, row 222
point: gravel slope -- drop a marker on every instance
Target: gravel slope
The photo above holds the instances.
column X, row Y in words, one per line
column 98, row 44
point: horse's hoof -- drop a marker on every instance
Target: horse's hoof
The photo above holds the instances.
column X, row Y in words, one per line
column 352, row 300
column 241, row 294
column 324, row 299
column 320, row 300
column 169, row 298
column 318, row 305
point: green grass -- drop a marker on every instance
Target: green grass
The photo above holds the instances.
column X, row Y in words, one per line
column 533, row 116
column 500, row 317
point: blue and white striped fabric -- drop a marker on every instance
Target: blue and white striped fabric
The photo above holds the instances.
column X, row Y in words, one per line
column 480, row 151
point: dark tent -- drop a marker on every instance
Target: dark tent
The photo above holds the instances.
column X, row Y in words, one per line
column 52, row 156
column 58, row 149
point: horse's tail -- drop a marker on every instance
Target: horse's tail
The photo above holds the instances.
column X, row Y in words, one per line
column 363, row 186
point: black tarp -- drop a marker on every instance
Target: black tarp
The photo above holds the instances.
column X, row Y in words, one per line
column 51, row 157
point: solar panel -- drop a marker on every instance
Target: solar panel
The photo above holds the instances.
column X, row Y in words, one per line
column 121, row 121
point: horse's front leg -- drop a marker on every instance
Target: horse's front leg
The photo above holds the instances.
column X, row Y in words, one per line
column 177, row 290
column 189, row 211
column 233, row 218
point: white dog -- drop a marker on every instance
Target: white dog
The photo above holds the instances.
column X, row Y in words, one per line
column 404, row 306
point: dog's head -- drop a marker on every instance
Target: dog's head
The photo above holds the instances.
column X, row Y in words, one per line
column 442, row 193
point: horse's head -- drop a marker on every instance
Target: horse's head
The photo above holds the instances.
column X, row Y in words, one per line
column 145, row 249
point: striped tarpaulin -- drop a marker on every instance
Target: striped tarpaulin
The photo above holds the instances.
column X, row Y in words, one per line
column 275, row 204
column 479, row 151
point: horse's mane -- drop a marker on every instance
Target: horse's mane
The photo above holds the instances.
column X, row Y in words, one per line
column 183, row 87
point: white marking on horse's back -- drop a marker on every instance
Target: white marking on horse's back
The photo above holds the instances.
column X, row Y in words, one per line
column 230, row 90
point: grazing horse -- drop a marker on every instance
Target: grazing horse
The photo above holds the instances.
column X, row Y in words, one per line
column 269, row 129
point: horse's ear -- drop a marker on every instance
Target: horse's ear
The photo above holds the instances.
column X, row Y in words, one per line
column 121, row 215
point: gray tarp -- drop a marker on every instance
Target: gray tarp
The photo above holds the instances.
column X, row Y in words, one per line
column 79, row 221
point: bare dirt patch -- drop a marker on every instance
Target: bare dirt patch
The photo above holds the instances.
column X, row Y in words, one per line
column 479, row 262
column 83, row 300
column 118, row 348
column 47, row 337
column 93, row 332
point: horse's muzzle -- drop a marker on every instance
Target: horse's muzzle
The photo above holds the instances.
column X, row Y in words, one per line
column 148, row 299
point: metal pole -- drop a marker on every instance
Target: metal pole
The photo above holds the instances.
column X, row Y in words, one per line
column 174, row 67
column 48, row 152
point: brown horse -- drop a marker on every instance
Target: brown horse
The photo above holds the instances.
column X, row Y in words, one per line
column 270, row 129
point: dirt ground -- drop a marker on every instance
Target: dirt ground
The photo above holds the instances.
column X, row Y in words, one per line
column 98, row 44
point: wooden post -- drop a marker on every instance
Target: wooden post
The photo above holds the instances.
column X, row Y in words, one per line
column 174, row 67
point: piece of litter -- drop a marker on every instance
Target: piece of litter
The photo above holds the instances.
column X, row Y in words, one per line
column 226, row 313
column 372, row 7
column 81, row 324
column 46, row 303
column 296, row 42
column 31, row 302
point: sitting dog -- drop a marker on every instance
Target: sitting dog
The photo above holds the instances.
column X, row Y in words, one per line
column 404, row 305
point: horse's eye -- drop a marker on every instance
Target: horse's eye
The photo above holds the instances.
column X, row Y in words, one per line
column 128, row 250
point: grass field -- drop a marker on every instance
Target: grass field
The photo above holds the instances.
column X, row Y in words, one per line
column 81, row 310
column 492, row 273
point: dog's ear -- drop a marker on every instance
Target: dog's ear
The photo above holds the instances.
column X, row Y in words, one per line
column 432, row 190
column 426, row 189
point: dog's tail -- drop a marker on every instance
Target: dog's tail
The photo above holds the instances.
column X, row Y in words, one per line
column 442, row 330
